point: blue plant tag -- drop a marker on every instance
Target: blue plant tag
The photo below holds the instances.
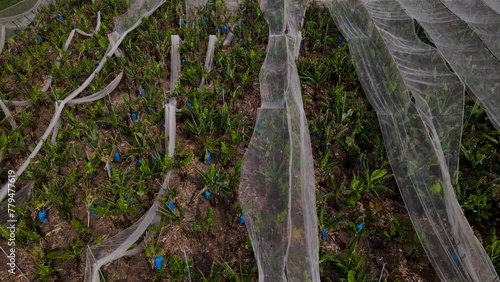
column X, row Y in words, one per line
column 207, row 194
column 143, row 92
column 60, row 17
column 133, row 116
column 324, row 232
column 92, row 210
column 359, row 226
column 225, row 28
column 339, row 40
column 42, row 216
column 158, row 263
column 455, row 258
column 171, row 206
column 241, row 220
column 117, row 157
column 208, row 157
column 39, row 38
column 259, row 125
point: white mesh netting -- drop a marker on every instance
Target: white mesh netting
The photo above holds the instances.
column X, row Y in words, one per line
column 419, row 103
column 277, row 191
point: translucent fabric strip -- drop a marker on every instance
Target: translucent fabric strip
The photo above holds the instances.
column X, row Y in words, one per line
column 419, row 104
column 463, row 50
column 494, row 4
column 209, row 60
column 277, row 192
column 76, row 30
column 481, row 18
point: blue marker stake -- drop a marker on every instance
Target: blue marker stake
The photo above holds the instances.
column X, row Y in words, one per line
column 139, row 163
column 208, row 157
column 455, row 258
column 359, row 226
column 171, row 206
column 92, row 210
column 241, row 220
column 224, row 28
column 143, row 92
column 189, row 105
column 424, row 176
column 117, row 157
column 42, row 216
column 207, row 194
column 324, row 232
column 60, row 17
column 219, row 31
column 133, row 116
column 39, row 38
column 158, row 263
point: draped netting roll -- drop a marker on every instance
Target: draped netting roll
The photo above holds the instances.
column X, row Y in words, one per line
column 277, row 192
column 419, row 104
column 468, row 37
